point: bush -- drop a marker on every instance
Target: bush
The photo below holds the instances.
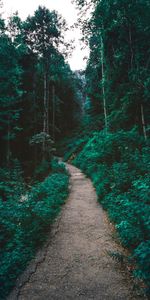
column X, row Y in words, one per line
column 142, row 256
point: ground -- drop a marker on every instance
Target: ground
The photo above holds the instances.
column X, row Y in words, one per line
column 75, row 263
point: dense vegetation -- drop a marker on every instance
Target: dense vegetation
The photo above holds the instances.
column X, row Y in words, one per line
column 38, row 90
column 38, row 99
column 42, row 101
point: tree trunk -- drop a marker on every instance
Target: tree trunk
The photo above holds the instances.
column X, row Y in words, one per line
column 35, row 116
column 53, row 119
column 8, row 143
column 45, row 103
column 103, row 84
column 45, row 110
column 131, row 48
column 143, row 122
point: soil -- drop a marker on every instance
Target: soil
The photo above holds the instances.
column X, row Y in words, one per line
column 75, row 263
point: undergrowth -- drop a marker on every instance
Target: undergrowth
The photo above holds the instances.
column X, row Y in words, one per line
column 26, row 220
column 73, row 144
column 118, row 165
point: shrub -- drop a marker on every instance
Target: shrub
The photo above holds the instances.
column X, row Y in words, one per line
column 142, row 256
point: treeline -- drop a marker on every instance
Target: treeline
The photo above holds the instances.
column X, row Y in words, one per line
column 112, row 146
column 37, row 87
column 118, row 70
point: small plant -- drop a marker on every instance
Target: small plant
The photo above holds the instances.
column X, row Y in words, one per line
column 45, row 144
column 142, row 256
column 119, row 257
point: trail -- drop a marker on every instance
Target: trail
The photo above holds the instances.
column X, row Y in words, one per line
column 75, row 263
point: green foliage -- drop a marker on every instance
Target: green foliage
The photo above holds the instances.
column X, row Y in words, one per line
column 58, row 166
column 10, row 95
column 38, row 89
column 40, row 139
column 12, row 183
column 142, row 256
column 42, row 169
column 25, row 222
column 117, row 34
column 117, row 256
column 74, row 147
column 41, row 30
column 70, row 146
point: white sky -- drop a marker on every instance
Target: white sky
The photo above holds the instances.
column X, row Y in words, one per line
column 65, row 8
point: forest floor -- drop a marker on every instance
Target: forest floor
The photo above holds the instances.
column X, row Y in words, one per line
column 75, row 263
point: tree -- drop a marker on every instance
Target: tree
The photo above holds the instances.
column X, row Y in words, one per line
column 38, row 89
column 121, row 29
column 11, row 92
column 14, row 28
column 43, row 36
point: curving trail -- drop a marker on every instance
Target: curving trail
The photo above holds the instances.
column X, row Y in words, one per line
column 75, row 264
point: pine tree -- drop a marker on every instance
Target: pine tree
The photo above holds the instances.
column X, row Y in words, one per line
column 11, row 92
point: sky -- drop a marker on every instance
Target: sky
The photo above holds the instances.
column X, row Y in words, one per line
column 65, row 8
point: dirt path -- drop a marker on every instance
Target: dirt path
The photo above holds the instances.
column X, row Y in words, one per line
column 75, row 263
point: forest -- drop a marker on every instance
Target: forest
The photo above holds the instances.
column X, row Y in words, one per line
column 97, row 119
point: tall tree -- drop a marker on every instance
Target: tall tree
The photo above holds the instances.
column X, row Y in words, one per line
column 11, row 92
column 43, row 36
column 121, row 29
